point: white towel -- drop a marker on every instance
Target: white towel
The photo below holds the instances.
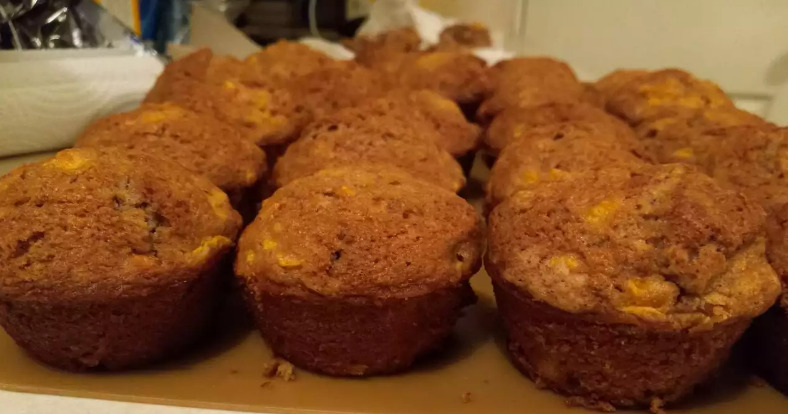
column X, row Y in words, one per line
column 46, row 103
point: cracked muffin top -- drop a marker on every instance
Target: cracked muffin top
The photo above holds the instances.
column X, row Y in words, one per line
column 422, row 113
column 752, row 159
column 200, row 143
column 516, row 123
column 338, row 143
column 224, row 87
column 529, row 162
column 285, row 60
column 663, row 93
column 662, row 245
column 93, row 223
column 677, row 138
column 340, row 85
column 352, row 232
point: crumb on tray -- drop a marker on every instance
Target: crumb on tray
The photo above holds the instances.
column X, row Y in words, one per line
column 279, row 368
column 590, row 404
column 466, row 397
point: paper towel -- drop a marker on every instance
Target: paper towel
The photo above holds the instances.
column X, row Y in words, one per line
column 45, row 104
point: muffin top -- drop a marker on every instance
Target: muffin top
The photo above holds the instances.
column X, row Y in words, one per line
column 224, row 87
column 753, row 159
column 534, row 72
column 676, row 138
column 609, row 84
column 351, row 232
column 370, row 50
column 100, row 223
column 663, row 245
column 465, row 35
column 516, row 123
column 198, row 142
column 340, row 85
column 381, row 141
column 663, row 93
column 423, row 113
column 456, row 75
column 527, row 163
column 285, row 60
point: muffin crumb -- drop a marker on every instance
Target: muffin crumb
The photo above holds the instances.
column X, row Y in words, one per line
column 467, row 397
column 279, row 368
column 590, row 404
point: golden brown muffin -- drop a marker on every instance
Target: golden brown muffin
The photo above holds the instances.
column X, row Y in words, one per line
column 285, row 60
column 223, row 87
column 464, row 35
column 516, row 123
column 674, row 138
column 359, row 272
column 769, row 335
column 370, row 50
column 664, row 93
column 200, row 143
column 529, row 81
column 422, row 112
column 530, row 161
column 592, row 96
column 456, row 75
column 109, row 259
column 624, row 287
column 609, row 84
column 340, row 85
column 752, row 159
column 341, row 143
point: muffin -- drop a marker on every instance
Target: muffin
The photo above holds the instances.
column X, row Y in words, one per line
column 529, row 81
column 532, row 161
column 769, row 335
column 464, row 35
column 674, row 138
column 456, row 75
column 109, row 259
column 338, row 144
column 358, row 272
column 223, row 87
column 422, row 112
column 340, row 85
column 592, row 96
column 751, row 159
column 514, row 123
column 664, row 93
column 609, row 84
column 200, row 143
column 626, row 287
column 284, row 60
column 370, row 50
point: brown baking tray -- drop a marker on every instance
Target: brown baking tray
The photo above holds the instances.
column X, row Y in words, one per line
column 472, row 375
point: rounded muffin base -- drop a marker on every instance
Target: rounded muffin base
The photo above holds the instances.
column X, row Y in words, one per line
column 359, row 336
column 601, row 364
column 768, row 340
column 116, row 334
